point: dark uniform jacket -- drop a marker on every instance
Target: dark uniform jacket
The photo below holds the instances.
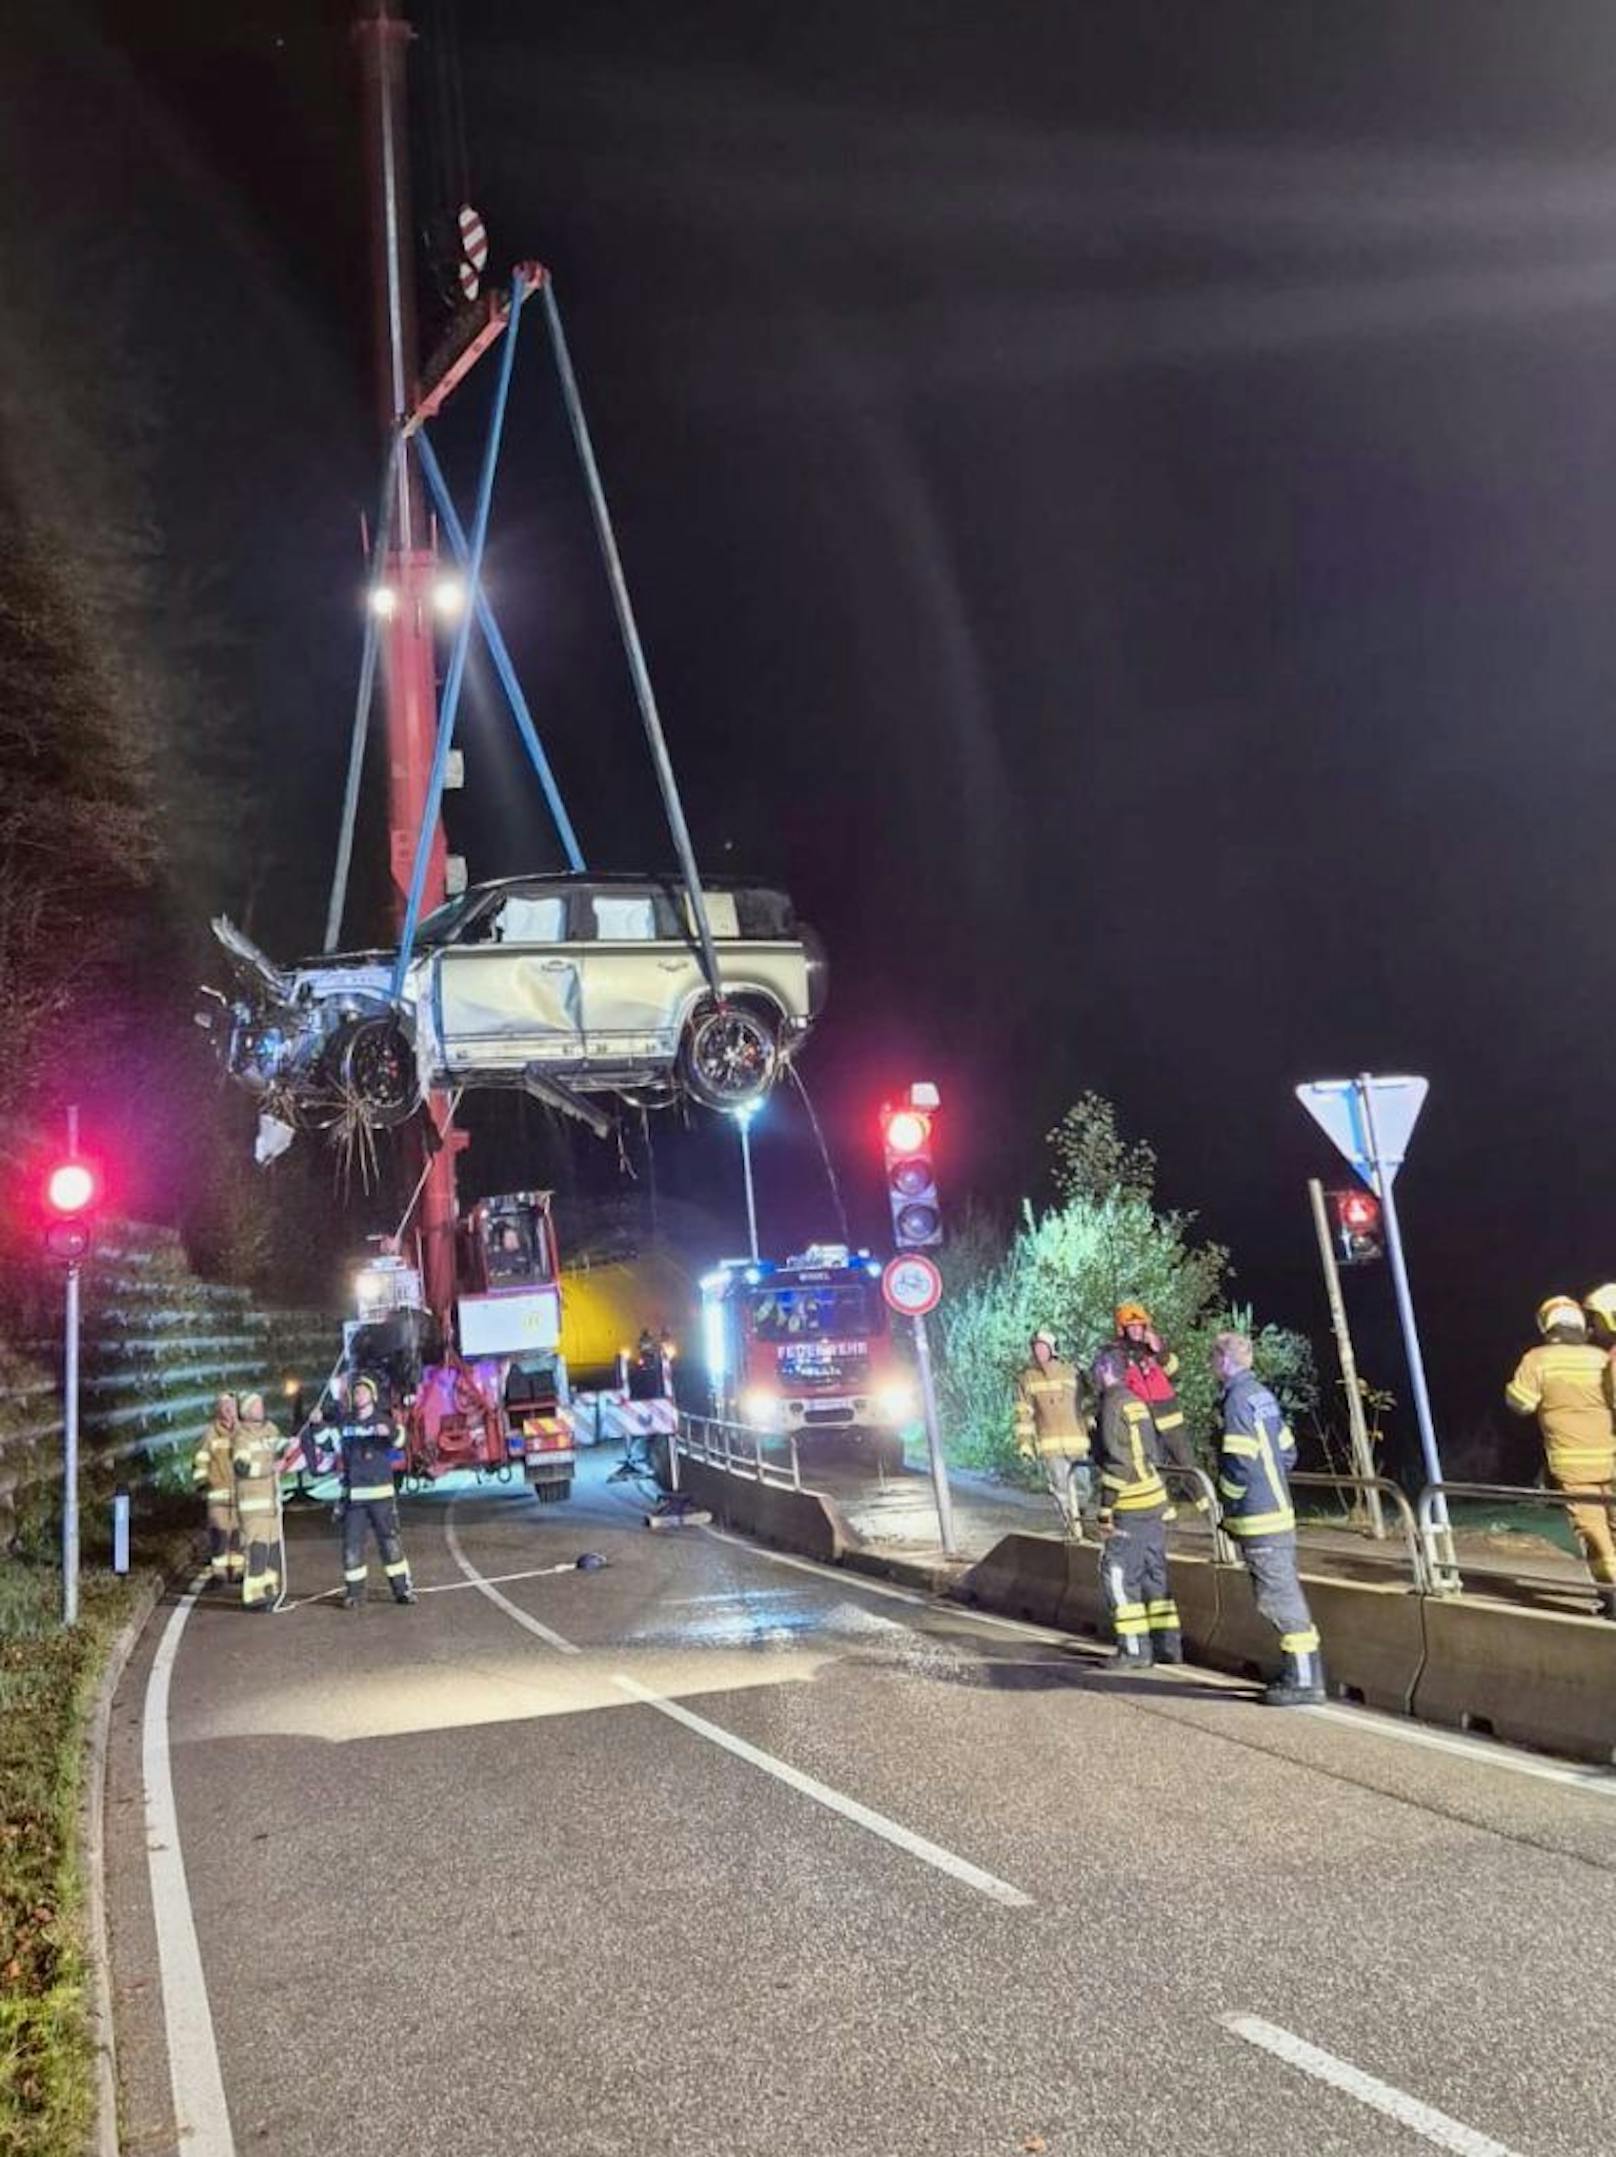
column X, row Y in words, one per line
column 366, row 1444
column 1255, row 1456
column 1130, row 1456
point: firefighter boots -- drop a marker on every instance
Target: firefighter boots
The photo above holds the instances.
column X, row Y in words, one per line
column 1300, row 1684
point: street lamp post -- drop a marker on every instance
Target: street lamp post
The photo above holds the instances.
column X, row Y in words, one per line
column 743, row 1123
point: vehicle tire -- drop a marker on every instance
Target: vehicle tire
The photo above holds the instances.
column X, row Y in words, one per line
column 374, row 1060
column 553, row 1493
column 730, row 1056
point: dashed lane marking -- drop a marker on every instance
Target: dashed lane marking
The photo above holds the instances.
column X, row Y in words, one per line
column 1420, row 2118
column 902, row 1838
column 200, row 2112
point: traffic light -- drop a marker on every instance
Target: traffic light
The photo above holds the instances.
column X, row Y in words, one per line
column 906, row 1140
column 1359, row 1237
column 72, row 1190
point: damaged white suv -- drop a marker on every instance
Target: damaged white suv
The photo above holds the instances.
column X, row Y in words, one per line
column 566, row 986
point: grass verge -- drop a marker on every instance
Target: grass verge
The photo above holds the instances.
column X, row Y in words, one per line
column 48, row 1681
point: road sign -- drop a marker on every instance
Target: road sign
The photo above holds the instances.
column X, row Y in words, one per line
column 912, row 1285
column 1337, row 1106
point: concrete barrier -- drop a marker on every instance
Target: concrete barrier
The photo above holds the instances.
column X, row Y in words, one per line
column 1194, row 1582
column 802, row 1520
column 1373, row 1639
column 1241, row 1642
column 1537, row 1677
column 1022, row 1576
column 1082, row 1609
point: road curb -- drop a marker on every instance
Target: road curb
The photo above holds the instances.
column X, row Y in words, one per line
column 92, row 1814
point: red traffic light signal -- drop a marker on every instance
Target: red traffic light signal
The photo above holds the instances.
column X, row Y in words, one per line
column 72, row 1189
column 1359, row 1235
column 906, row 1142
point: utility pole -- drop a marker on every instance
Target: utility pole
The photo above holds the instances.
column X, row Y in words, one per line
column 1363, row 1456
column 70, row 1418
column 383, row 36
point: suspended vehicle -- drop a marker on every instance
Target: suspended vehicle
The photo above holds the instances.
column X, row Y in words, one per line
column 585, row 984
column 570, row 987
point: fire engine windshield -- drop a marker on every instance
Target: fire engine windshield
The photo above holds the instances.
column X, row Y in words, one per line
column 833, row 1311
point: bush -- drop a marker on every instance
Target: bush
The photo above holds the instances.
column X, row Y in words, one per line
column 1104, row 1241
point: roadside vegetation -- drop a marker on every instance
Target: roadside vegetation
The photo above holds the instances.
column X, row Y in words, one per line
column 1105, row 1238
column 48, row 1680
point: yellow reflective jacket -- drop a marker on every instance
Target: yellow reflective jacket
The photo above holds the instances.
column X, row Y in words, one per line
column 256, row 1460
column 212, row 1464
column 1567, row 1386
column 1051, row 1410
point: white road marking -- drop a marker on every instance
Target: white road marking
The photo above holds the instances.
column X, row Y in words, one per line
column 902, row 1838
column 1410, row 2112
column 1479, row 1752
column 202, row 2117
column 502, row 1602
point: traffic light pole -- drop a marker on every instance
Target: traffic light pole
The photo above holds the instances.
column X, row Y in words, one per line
column 1363, row 1456
column 70, row 1421
column 934, row 1442
column 1405, row 1312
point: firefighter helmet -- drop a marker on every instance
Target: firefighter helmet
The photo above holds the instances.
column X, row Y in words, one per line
column 1046, row 1337
column 1131, row 1314
column 1600, row 1305
column 1561, row 1314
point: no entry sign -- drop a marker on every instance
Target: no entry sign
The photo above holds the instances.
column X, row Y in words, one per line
column 912, row 1285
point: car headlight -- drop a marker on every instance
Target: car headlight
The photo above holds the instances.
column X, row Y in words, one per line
column 760, row 1408
column 897, row 1404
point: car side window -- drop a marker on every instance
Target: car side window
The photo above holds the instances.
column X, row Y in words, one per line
column 622, row 918
column 531, row 921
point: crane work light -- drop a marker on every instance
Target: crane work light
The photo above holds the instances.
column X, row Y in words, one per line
column 906, row 1143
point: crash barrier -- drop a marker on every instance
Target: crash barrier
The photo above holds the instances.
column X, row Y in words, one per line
column 1372, row 1487
column 801, row 1520
column 1534, row 1677
column 158, row 1345
column 1444, row 1564
column 738, row 1449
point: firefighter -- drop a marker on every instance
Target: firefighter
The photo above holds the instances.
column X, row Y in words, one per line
column 1151, row 1370
column 256, row 1461
column 213, row 1472
column 365, row 1438
column 1052, row 1428
column 1255, row 1456
column 1133, row 1521
column 1566, row 1383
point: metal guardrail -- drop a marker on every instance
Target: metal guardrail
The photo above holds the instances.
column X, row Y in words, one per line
column 1442, row 1557
column 1379, row 1486
column 707, row 1439
column 1206, row 1506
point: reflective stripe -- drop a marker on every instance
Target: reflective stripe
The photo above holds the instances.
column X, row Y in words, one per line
column 218, row 1495
column 1518, row 1397
column 1260, row 1523
column 255, row 1505
column 1141, row 1501
column 1162, row 1602
column 1233, row 1442
column 1170, row 1423
column 354, row 1572
column 1231, row 1490
column 1131, row 1628
column 1129, row 1610
column 368, row 1493
column 399, row 1565
column 1164, row 1620
column 1299, row 1643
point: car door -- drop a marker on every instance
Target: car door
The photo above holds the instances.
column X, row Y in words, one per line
column 510, row 996
column 637, row 974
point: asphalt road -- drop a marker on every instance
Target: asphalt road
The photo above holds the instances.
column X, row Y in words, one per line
column 717, row 1852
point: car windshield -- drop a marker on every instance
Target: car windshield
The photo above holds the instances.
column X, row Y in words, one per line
column 838, row 1311
column 443, row 923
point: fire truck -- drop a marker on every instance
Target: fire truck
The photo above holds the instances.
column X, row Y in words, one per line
column 806, row 1347
column 494, row 1396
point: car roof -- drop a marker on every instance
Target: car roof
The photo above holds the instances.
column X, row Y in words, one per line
column 615, row 879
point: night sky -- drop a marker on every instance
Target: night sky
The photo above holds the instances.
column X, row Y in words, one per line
column 1120, row 502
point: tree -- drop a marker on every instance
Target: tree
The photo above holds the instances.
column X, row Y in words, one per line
column 1068, row 1267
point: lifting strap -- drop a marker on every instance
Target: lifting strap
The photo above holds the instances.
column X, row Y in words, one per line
column 362, row 702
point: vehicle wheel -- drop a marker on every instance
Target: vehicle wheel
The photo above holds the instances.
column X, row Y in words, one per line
column 731, row 1055
column 553, row 1493
column 376, row 1063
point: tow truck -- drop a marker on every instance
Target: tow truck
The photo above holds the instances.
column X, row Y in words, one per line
column 495, row 1394
column 805, row 1346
